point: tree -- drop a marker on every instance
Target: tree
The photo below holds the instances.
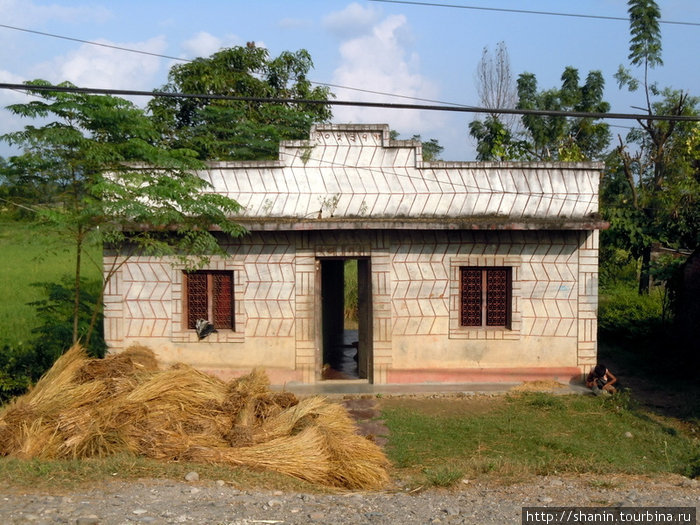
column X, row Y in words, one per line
column 549, row 137
column 496, row 87
column 116, row 184
column 654, row 162
column 431, row 148
column 234, row 129
column 558, row 137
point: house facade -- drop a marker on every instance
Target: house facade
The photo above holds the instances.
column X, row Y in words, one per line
column 464, row 271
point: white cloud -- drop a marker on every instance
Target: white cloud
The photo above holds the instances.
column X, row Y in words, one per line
column 353, row 21
column 105, row 67
column 380, row 60
column 202, row 44
column 205, row 44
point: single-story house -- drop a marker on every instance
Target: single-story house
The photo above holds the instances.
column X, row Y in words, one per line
column 466, row 271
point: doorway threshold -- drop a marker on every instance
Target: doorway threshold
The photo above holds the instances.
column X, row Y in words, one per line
column 344, row 382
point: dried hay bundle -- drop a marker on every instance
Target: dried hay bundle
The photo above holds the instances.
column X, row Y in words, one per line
column 89, row 408
column 302, row 455
column 124, row 364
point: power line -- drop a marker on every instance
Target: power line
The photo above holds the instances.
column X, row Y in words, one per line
column 158, row 55
column 525, row 11
column 382, row 105
column 92, row 43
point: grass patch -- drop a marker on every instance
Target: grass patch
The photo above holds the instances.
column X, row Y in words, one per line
column 30, row 255
column 534, row 433
column 70, row 474
column 443, row 476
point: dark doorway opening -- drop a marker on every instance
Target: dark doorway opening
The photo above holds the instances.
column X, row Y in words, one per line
column 346, row 318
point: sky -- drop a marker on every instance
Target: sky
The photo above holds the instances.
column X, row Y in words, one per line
column 415, row 51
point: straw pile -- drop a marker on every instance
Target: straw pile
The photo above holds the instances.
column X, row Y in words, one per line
column 540, row 385
column 86, row 407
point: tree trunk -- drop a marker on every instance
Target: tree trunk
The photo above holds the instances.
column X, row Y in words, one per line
column 645, row 272
column 76, row 297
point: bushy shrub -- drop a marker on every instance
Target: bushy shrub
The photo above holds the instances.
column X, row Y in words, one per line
column 17, row 370
column 623, row 312
column 21, row 365
column 55, row 333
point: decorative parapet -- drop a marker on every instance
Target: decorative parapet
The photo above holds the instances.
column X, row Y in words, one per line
column 356, row 171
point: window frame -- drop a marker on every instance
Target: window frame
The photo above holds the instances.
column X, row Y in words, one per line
column 486, row 299
column 210, row 299
column 455, row 329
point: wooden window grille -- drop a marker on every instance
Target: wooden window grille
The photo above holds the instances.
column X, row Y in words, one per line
column 209, row 295
column 485, row 296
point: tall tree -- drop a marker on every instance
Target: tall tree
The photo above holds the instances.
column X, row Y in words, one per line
column 558, row 137
column 497, row 90
column 236, row 129
column 495, row 84
column 549, row 137
column 650, row 156
column 103, row 156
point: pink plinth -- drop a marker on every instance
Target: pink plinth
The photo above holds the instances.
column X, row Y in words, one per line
column 483, row 375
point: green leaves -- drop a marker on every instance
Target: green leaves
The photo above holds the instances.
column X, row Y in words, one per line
column 645, row 34
column 552, row 137
column 110, row 178
column 233, row 129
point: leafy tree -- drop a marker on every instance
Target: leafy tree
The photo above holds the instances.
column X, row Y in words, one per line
column 431, row 148
column 655, row 172
column 549, row 137
column 116, row 184
column 540, row 137
column 234, row 129
column 558, row 137
column 496, row 134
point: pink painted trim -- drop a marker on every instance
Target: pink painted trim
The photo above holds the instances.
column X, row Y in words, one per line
column 483, row 375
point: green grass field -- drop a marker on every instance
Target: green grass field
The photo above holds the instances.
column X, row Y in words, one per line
column 536, row 433
column 29, row 255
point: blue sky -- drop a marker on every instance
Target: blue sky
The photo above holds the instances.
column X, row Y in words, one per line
column 411, row 50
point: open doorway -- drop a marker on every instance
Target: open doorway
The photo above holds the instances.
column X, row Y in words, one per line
column 346, row 318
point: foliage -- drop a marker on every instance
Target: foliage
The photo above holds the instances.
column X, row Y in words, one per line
column 549, row 137
column 350, row 291
column 55, row 335
column 495, row 142
column 645, row 33
column 117, row 184
column 431, row 148
column 18, row 370
column 22, row 364
column 561, row 138
column 652, row 188
column 225, row 129
column 622, row 312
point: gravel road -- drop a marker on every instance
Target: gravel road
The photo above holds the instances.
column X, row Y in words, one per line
column 215, row 502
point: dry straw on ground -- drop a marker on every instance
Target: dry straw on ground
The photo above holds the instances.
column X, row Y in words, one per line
column 541, row 385
column 86, row 407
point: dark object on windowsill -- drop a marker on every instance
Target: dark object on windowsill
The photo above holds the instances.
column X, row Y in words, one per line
column 203, row 328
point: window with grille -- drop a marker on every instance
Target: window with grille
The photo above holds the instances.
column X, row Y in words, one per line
column 485, row 296
column 209, row 295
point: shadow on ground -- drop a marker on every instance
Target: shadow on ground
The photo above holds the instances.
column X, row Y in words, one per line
column 656, row 384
